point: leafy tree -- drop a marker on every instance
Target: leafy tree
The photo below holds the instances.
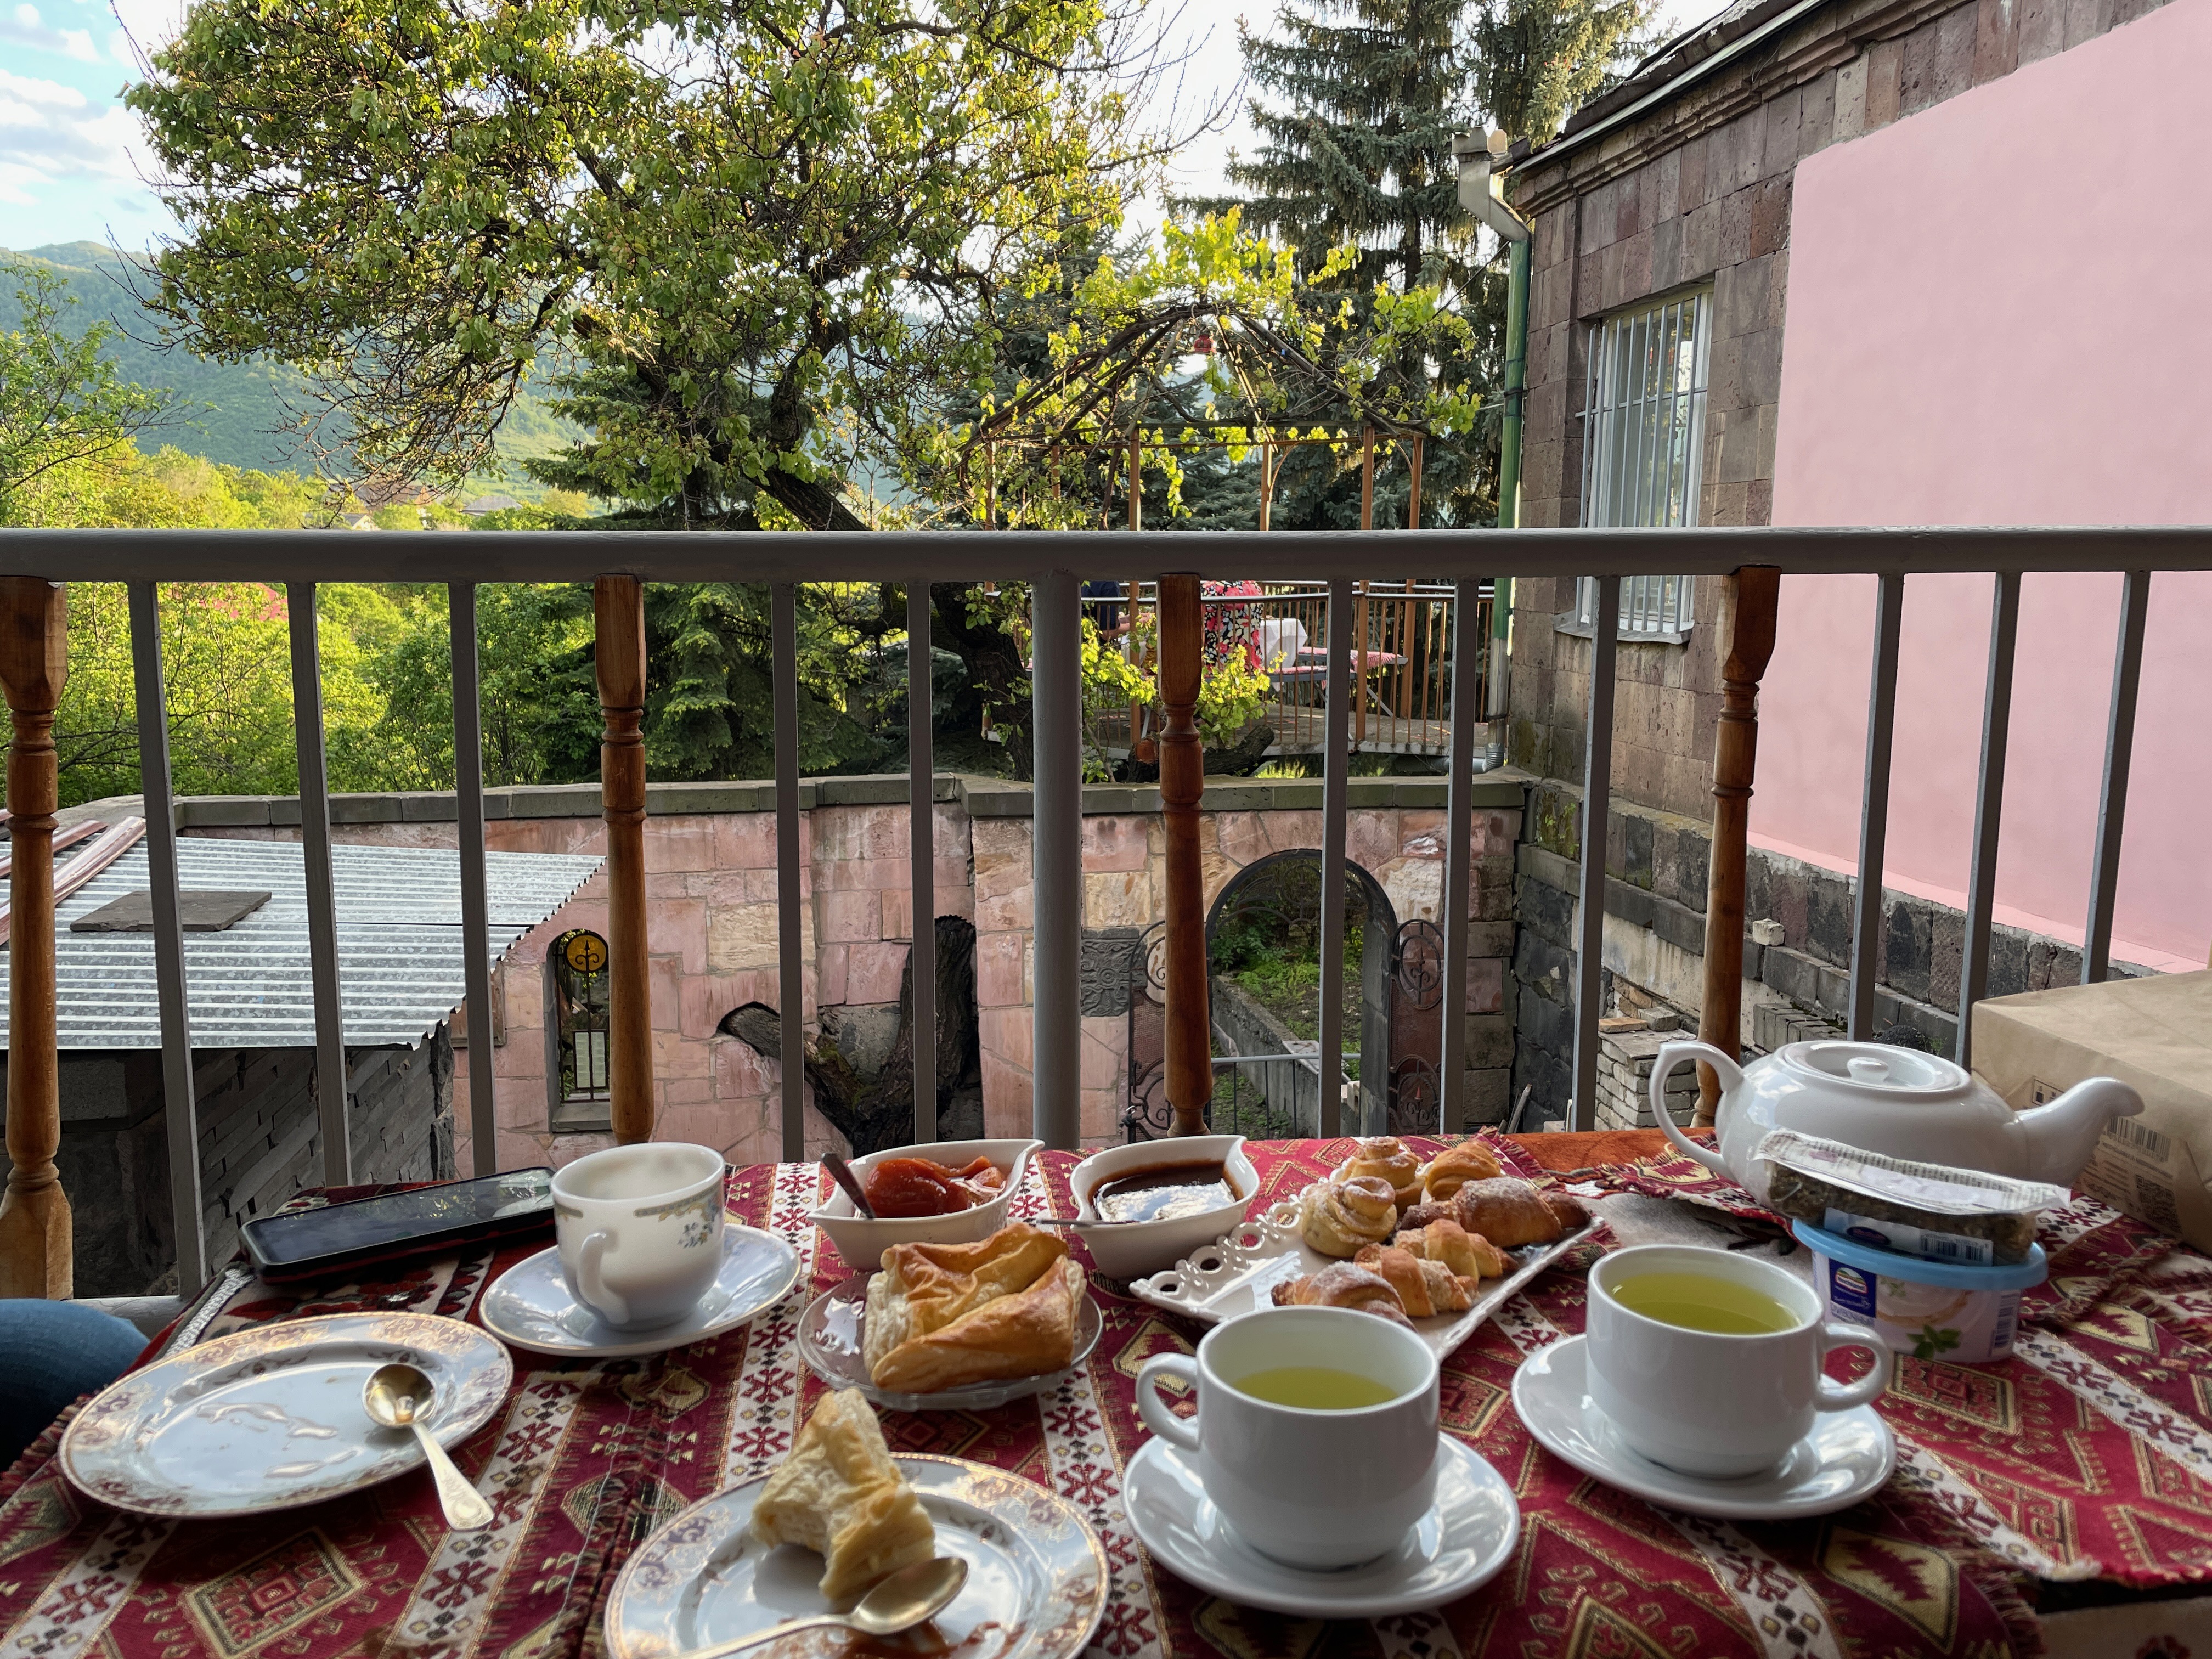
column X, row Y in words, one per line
column 753, row 238
column 1359, row 101
column 61, row 403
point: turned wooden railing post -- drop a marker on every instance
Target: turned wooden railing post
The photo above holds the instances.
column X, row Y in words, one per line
column 1182, row 781
column 618, row 611
column 1757, row 590
column 35, row 1249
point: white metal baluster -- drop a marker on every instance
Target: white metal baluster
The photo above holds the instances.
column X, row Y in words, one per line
column 1988, row 808
column 1597, row 804
column 790, row 913
column 1459, row 830
column 1335, row 770
column 1873, row 819
column 333, row 1089
column 2112, row 798
column 922, row 854
column 475, row 907
column 180, row 1104
column 1056, row 857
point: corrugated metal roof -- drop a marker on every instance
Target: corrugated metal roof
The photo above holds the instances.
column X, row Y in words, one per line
column 399, row 945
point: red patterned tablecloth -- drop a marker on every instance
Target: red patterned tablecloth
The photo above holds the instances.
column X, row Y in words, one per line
column 2089, row 1455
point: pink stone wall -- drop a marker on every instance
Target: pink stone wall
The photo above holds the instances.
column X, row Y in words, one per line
column 1996, row 316
column 711, row 923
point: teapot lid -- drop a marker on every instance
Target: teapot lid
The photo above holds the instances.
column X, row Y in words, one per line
column 1876, row 1065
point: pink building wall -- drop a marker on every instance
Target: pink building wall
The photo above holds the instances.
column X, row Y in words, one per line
column 1997, row 315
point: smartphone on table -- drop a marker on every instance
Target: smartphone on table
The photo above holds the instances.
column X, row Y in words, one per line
column 305, row 1245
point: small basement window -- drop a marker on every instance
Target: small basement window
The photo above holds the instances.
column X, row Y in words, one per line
column 1644, row 439
column 577, row 964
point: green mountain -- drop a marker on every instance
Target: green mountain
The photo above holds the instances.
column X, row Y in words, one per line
column 234, row 413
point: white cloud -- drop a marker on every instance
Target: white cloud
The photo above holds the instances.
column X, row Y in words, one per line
column 45, row 142
column 23, row 28
column 150, row 23
column 50, row 94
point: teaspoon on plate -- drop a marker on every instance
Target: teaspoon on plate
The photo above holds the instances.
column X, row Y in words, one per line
column 399, row 1396
column 900, row 1602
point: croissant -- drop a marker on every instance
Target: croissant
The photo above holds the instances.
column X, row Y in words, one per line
column 1468, row 1255
column 943, row 1316
column 1424, row 1287
column 1337, row 1217
column 1389, row 1159
column 1505, row 1209
column 1340, row 1285
column 838, row 1492
column 1455, row 1167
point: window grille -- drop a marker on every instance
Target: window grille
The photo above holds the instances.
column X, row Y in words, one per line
column 578, row 960
column 1643, row 427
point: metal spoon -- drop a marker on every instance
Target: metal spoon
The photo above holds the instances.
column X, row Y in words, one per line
column 398, row 1396
column 900, row 1602
column 841, row 1173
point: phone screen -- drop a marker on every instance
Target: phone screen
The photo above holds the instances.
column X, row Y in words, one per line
column 371, row 1222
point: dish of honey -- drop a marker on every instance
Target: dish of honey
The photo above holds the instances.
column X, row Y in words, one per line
column 1166, row 1192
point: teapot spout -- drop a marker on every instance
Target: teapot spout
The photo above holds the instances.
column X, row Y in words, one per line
column 2061, row 1135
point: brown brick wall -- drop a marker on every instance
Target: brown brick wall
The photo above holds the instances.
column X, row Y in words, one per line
column 1699, row 189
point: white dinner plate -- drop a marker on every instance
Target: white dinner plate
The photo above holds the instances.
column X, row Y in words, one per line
column 271, row 1417
column 1456, row 1548
column 829, row 1342
column 530, row 1305
column 1036, row 1575
column 1846, row 1457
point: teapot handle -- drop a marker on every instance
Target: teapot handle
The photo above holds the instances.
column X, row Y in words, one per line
column 1670, row 1055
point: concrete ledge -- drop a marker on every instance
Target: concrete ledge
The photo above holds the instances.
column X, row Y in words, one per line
column 982, row 797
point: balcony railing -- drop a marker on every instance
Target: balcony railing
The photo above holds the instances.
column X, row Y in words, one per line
column 1329, row 561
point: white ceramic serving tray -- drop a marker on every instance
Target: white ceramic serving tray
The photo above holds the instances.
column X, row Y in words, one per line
column 1239, row 1273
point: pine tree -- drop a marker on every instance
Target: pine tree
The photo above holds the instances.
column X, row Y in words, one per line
column 1359, row 99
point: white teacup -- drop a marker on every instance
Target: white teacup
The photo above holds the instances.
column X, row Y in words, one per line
column 1709, row 1403
column 639, row 1229
column 1311, row 1488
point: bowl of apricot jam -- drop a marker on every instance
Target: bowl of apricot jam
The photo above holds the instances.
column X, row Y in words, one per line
column 949, row 1192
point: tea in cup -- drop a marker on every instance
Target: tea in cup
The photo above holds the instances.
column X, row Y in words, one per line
column 640, row 1231
column 1316, row 1431
column 1710, row 1363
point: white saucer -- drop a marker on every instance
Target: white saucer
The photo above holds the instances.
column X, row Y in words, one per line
column 529, row 1306
column 1458, row 1547
column 1848, row 1456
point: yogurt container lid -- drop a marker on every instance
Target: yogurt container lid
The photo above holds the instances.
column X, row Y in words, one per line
column 1997, row 1276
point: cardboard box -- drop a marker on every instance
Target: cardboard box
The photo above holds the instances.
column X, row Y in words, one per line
column 2155, row 1033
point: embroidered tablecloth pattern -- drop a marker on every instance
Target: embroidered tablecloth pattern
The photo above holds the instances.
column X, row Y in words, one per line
column 2087, row 1455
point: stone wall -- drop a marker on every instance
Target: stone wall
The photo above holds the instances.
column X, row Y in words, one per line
column 711, row 882
column 1797, row 961
column 260, row 1142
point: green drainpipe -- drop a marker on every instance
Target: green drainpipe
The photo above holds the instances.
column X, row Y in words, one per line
column 1509, row 475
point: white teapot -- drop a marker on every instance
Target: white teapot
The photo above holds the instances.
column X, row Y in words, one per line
column 1897, row 1102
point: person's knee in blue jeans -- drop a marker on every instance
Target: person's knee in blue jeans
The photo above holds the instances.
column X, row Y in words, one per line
column 50, row 1353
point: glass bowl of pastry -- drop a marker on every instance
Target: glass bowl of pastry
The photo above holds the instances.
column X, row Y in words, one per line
column 956, row 1327
column 1154, row 1202
column 950, row 1192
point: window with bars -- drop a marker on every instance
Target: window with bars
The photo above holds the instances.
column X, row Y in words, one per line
column 578, row 1028
column 1644, row 431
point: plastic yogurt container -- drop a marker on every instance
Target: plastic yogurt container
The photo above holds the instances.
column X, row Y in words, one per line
column 1932, row 1310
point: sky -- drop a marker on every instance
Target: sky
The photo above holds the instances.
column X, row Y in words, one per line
column 71, row 170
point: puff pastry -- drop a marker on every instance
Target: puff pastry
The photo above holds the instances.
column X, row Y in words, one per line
column 1455, row 1166
column 1424, row 1287
column 1389, row 1159
column 1342, row 1285
column 1505, row 1209
column 839, row 1493
column 943, row 1316
column 1337, row 1217
column 1469, row 1255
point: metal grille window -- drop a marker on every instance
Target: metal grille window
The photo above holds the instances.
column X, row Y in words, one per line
column 1643, row 427
column 579, row 961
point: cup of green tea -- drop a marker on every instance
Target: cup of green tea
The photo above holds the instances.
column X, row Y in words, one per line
column 1316, row 1435
column 1710, row 1362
